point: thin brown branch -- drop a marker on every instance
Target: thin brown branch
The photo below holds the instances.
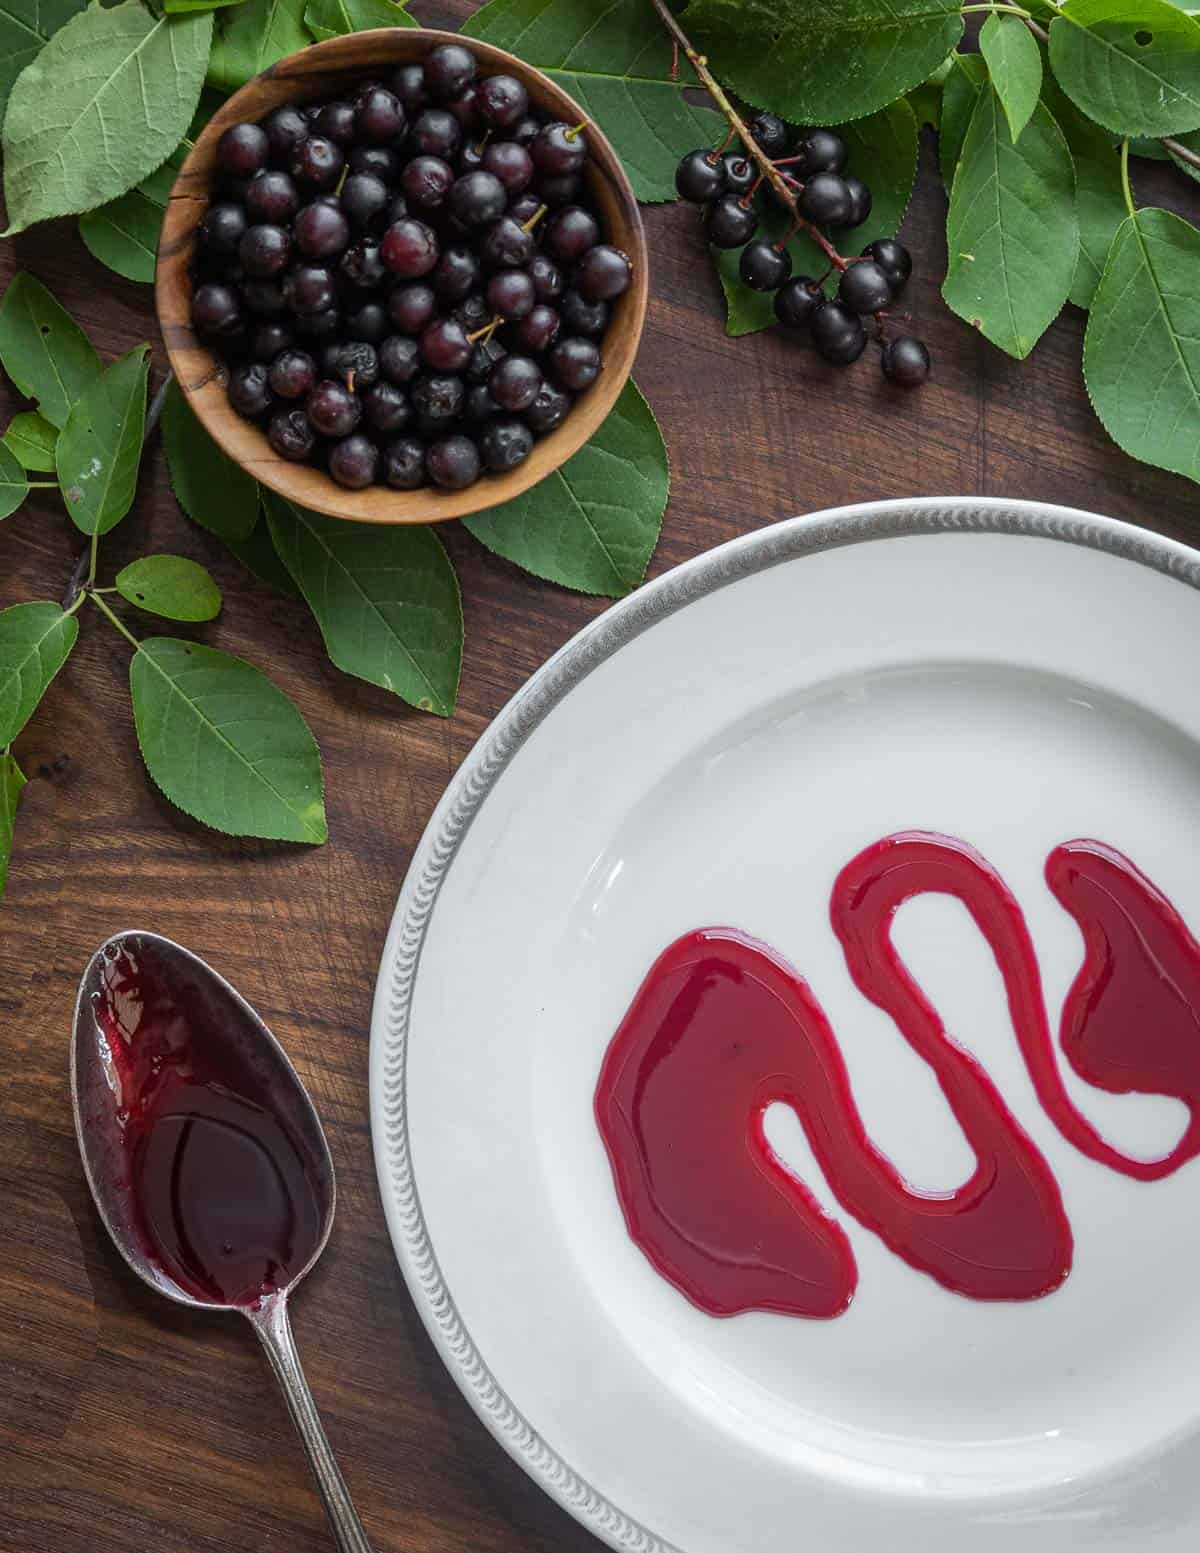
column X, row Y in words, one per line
column 1184, row 153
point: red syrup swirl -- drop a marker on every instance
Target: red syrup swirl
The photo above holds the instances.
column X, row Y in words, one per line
column 221, row 1187
column 723, row 1027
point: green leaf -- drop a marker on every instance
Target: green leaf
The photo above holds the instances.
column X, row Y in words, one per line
column 960, row 97
column 124, row 233
column 251, row 37
column 43, row 349
column 886, row 142
column 591, row 525
column 11, row 782
column 926, row 103
column 213, row 490
column 1014, row 64
column 101, row 445
column 226, row 745
column 182, row 7
column 105, row 103
column 1011, row 231
column 1099, row 193
column 26, row 26
column 1141, row 354
column 35, row 641
column 817, row 63
column 386, row 600
column 258, row 555
column 171, row 586
column 615, row 60
column 1132, row 65
column 30, row 438
column 14, row 487
column 331, row 18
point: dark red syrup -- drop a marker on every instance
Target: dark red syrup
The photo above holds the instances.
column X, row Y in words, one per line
column 223, row 1189
column 723, row 1027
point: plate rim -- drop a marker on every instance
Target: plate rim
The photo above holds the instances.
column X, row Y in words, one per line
column 787, row 540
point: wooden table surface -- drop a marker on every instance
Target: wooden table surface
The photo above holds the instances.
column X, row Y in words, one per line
column 127, row 1424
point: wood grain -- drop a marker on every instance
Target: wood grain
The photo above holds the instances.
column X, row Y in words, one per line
column 313, row 75
column 126, row 1424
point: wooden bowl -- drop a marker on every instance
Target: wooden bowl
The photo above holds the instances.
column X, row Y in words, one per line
column 317, row 72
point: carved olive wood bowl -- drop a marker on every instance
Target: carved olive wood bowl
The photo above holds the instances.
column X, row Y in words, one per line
column 315, row 73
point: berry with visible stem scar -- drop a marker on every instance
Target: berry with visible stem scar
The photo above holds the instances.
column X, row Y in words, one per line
column 797, row 301
column 764, row 266
column 770, row 134
column 864, row 287
column 700, row 178
column 730, row 223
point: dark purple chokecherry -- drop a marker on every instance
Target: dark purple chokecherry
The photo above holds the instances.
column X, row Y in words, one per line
column 380, row 160
column 308, row 289
column 399, row 358
column 797, row 300
column 838, row 333
column 738, row 171
column 249, row 390
column 412, row 306
column 438, row 398
column 404, row 464
column 764, row 266
column 409, row 249
column 575, row 363
column 700, row 177
column 408, row 83
column 509, row 162
column 353, row 462
column 386, row 408
column 603, row 274
column 480, row 405
column 538, row 330
column 222, row 227
column 456, row 274
column 363, row 197
column 264, row 297
column 894, row 260
column 546, row 276
column 333, row 410
column 271, row 196
column 563, row 189
column 820, row 151
column 336, row 122
column 549, row 409
column 397, row 210
column 514, row 382
column 243, row 150
column 453, row 463
column 729, row 222
column 285, row 128
column 477, row 198
column 291, row 436
column 469, row 158
column 353, row 362
column 322, row 325
column 864, row 287
column 825, row 200
column 293, row 374
column 367, row 324
column 582, row 317
column 906, row 361
column 506, row 245
column 770, row 134
column 464, row 108
column 524, row 130
column 321, row 230
column 504, row 443
column 483, row 358
column 510, row 294
column 435, row 132
column 379, row 117
column 472, row 312
column 860, row 202
column 558, row 149
column 269, row 340
column 524, row 208
column 264, row 250
column 449, row 70
column 570, row 232
column 317, row 162
column 362, row 265
column 426, row 181
column 502, row 101
column 444, row 346
column 215, row 309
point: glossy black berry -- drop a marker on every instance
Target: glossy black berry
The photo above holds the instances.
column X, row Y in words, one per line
column 549, row 409
column 317, row 162
column 399, row 358
column 537, row 331
column 864, row 287
column 524, row 130
column 353, row 362
column 336, row 122
column 243, row 150
column 893, row 258
column 215, row 309
column 438, row 398
column 770, row 134
column 797, row 301
column 380, row 160
column 426, row 181
column 575, row 363
column 285, row 128
column 905, row 361
column 764, row 266
column 838, row 333
column 386, row 408
column 477, row 198
column 362, row 264
column 820, row 151
column 699, row 177
column 408, row 83
column 510, row 294
column 546, row 276
column 514, row 382
column 264, row 250
column 321, row 231
column 558, row 190
column 363, row 197
column 444, row 346
column 379, row 117
column 739, row 172
column 263, row 297
column 825, row 199
column 507, row 245
column 860, row 202
column 569, row 233
column 504, row 443
column 353, row 462
column 409, row 248
column 435, row 133
column 583, row 317
column 249, row 390
column 269, row 340
column 368, row 323
column 222, row 228
column 412, row 306
column 291, row 436
column 453, row 463
column 603, row 274
column 403, row 464
column 308, row 289
column 558, row 149
column 502, row 101
column 730, row 223
column 525, row 208
column 293, row 374
column 449, row 70
column 509, row 162
column 483, row 358
column 333, row 410
column 271, row 196
column 480, row 405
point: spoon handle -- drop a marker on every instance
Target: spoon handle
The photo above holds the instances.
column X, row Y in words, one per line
column 274, row 1330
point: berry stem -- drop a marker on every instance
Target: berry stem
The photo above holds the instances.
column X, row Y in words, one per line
column 528, row 226
column 779, row 181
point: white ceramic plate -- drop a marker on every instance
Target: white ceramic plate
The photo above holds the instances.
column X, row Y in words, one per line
column 712, row 751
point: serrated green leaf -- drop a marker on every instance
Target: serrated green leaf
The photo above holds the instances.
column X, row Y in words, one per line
column 100, row 449
column 926, row 103
column 35, row 641
column 43, row 349
column 1011, row 231
column 591, row 525
column 253, row 36
column 816, row 63
column 12, row 781
column 1131, row 65
column 1099, row 193
column 1014, row 64
column 26, row 26
column 124, row 233
column 1141, row 354
column 386, row 600
column 30, row 438
column 615, row 60
column 213, row 490
column 171, row 586
column 14, row 486
column 1192, row 142
column 105, row 103
column 331, row 18
column 257, row 554
column 224, row 744
column 886, row 145
column 960, row 97
column 182, row 7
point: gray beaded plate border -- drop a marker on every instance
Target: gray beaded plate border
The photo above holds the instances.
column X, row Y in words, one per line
column 729, row 563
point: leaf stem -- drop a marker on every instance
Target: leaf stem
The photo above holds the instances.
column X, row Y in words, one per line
column 1002, row 10
column 1126, row 188
column 93, row 558
column 42, row 485
column 113, row 619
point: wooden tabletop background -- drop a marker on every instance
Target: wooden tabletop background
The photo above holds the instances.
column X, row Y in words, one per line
column 127, row 1424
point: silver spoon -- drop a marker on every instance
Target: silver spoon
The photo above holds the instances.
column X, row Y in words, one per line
column 97, row 1098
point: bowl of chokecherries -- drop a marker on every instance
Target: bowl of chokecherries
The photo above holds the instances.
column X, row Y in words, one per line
column 401, row 277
